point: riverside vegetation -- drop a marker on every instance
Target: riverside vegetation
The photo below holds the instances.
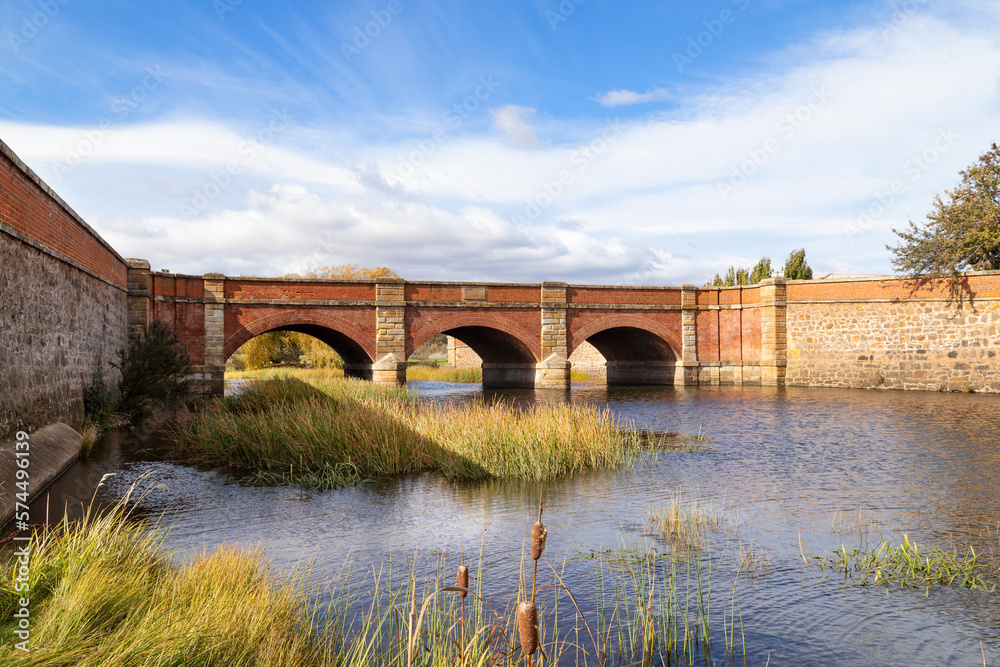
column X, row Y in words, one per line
column 337, row 432
column 106, row 592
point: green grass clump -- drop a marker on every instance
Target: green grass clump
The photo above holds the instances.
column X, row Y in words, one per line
column 342, row 431
column 104, row 593
column 909, row 564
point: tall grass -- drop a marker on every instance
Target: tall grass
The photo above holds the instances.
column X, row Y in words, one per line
column 339, row 432
column 104, row 593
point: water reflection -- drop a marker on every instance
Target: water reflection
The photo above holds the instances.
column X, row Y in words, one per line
column 790, row 463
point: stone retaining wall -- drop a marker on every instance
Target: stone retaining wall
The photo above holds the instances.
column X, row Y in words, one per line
column 885, row 335
column 63, row 303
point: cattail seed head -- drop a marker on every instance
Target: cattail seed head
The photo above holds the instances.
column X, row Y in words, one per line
column 538, row 535
column 463, row 579
column 527, row 625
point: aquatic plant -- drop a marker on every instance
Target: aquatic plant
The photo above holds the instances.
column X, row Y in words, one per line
column 684, row 523
column 909, row 564
column 90, row 433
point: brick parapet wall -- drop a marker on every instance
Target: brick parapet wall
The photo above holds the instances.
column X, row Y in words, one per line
column 33, row 214
column 63, row 302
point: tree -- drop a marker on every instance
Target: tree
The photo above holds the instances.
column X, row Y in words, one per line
column 741, row 276
column 962, row 233
column 350, row 272
column 762, row 271
column 796, row 267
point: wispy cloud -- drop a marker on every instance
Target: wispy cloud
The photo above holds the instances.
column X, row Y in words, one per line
column 617, row 98
column 515, row 121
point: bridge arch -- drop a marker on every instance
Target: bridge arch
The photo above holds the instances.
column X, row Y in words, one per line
column 354, row 346
column 510, row 353
column 637, row 350
column 494, row 339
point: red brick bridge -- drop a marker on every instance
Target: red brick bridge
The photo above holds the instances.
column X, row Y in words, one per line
column 524, row 333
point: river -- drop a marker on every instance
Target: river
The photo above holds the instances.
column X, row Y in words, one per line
column 791, row 470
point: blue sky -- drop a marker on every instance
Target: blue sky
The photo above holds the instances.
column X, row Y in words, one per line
column 581, row 140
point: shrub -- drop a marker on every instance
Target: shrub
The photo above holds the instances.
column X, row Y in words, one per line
column 153, row 367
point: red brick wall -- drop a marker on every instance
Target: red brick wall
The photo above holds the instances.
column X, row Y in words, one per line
column 582, row 324
column 667, row 296
column 31, row 209
column 286, row 289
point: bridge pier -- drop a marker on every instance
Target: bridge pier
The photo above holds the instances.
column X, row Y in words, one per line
column 390, row 332
column 554, row 370
column 500, row 376
column 645, row 373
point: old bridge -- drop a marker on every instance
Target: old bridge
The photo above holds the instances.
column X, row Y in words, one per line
column 524, row 333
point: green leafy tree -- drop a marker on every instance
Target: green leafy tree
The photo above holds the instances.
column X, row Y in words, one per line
column 762, row 271
column 962, row 233
column 796, row 267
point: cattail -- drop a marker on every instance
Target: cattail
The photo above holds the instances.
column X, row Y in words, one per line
column 463, row 580
column 538, row 535
column 527, row 625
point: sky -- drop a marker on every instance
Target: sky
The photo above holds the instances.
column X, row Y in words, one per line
column 589, row 141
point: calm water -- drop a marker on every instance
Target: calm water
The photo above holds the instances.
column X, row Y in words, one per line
column 785, row 465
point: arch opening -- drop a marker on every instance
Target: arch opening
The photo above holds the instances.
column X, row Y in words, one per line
column 506, row 361
column 635, row 356
column 353, row 358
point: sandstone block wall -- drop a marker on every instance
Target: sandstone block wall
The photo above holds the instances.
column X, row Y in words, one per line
column 905, row 345
column 63, row 302
column 895, row 334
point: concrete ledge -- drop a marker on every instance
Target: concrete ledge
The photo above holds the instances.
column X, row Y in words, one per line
column 52, row 450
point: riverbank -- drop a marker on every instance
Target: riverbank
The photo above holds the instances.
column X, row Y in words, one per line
column 335, row 432
column 414, row 371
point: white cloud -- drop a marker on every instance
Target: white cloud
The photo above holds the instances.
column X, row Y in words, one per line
column 617, row 98
column 514, row 120
column 838, row 122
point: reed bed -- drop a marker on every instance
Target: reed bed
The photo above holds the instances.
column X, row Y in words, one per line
column 472, row 375
column 340, row 432
column 685, row 522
